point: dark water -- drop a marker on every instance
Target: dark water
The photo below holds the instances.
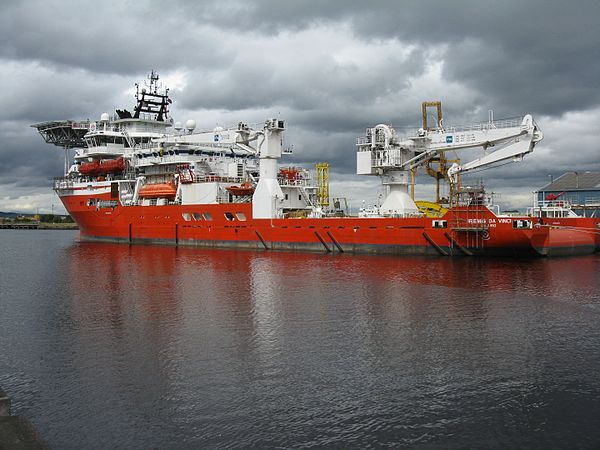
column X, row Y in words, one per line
column 110, row 346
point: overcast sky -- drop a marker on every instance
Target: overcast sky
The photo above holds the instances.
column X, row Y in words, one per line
column 330, row 68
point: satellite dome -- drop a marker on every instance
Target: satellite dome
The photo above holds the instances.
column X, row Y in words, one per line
column 104, row 117
column 190, row 125
column 178, row 126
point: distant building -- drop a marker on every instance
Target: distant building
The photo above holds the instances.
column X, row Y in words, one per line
column 580, row 189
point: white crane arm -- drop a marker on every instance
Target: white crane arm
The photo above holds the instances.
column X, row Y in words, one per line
column 235, row 140
column 511, row 147
column 382, row 151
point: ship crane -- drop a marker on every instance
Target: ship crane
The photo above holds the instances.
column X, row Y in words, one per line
column 237, row 140
column 512, row 147
column 383, row 153
column 267, row 148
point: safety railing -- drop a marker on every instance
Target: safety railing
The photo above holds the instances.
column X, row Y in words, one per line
column 410, row 132
column 490, row 125
column 592, row 201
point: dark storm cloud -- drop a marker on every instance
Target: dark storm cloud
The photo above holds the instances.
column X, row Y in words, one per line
column 25, row 160
column 125, row 37
column 543, row 56
column 41, row 94
column 311, row 87
column 330, row 68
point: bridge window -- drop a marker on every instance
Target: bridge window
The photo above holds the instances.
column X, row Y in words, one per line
column 207, row 216
column 229, row 216
column 240, row 216
column 197, row 216
column 186, row 217
column 439, row 224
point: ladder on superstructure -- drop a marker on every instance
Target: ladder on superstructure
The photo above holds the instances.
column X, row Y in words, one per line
column 468, row 226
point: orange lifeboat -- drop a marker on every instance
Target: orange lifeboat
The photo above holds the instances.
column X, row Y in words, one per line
column 158, row 190
column 90, row 168
column 244, row 189
column 102, row 166
column 112, row 165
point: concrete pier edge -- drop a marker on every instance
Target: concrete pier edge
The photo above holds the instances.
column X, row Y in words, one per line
column 16, row 432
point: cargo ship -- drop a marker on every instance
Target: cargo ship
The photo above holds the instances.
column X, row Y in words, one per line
column 139, row 177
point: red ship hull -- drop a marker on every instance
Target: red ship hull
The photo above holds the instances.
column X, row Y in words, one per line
column 462, row 231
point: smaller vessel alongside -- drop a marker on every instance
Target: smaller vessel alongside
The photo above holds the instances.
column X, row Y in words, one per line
column 566, row 230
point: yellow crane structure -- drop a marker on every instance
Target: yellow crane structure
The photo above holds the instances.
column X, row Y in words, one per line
column 438, row 106
column 322, row 184
column 437, row 167
column 431, row 209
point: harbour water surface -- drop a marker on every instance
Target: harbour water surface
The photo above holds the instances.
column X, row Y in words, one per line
column 112, row 346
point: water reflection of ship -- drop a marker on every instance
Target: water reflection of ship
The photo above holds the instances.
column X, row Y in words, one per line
column 164, row 277
column 182, row 319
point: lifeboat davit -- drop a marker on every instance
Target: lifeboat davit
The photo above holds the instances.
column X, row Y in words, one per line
column 103, row 166
column 243, row 189
column 158, row 190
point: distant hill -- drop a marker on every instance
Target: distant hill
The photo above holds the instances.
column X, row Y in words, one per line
column 12, row 215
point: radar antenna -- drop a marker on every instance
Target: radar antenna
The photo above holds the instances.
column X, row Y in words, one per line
column 152, row 101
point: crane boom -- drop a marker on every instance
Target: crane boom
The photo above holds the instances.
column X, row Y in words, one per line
column 383, row 153
column 512, row 148
column 236, row 140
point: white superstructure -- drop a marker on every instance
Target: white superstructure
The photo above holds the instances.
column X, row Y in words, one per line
column 145, row 158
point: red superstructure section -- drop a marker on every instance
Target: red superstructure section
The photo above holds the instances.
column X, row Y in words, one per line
column 469, row 230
